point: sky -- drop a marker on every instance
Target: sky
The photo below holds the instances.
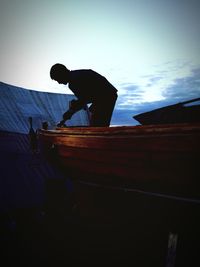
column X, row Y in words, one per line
column 148, row 49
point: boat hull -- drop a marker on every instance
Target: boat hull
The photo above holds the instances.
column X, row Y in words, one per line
column 161, row 158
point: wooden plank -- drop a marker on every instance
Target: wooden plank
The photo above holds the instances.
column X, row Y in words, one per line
column 139, row 143
column 129, row 157
column 126, row 130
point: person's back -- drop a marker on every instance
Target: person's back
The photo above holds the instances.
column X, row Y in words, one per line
column 90, row 85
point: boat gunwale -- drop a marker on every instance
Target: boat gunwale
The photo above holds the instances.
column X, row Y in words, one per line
column 137, row 130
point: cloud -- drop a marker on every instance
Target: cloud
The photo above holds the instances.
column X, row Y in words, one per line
column 173, row 80
column 153, row 80
column 131, row 101
column 185, row 88
column 129, row 94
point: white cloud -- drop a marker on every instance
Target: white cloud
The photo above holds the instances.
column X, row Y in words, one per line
column 159, row 83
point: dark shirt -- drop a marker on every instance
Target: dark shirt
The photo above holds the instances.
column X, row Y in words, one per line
column 89, row 86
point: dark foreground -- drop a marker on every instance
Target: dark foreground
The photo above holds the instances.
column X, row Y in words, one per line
column 99, row 228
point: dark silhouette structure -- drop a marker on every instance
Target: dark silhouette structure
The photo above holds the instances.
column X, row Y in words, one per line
column 33, row 137
column 177, row 113
column 90, row 88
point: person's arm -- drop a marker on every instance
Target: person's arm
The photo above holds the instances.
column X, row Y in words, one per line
column 74, row 106
column 66, row 116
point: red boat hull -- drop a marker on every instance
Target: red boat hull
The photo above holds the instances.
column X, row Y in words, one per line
column 161, row 158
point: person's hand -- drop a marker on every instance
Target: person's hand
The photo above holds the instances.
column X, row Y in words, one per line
column 61, row 123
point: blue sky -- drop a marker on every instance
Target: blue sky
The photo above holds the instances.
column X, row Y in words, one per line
column 148, row 49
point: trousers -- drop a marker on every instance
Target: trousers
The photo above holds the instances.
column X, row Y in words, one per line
column 101, row 111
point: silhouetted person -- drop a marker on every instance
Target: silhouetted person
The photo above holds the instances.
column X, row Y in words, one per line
column 90, row 88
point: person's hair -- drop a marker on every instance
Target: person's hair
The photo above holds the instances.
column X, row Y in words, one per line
column 58, row 70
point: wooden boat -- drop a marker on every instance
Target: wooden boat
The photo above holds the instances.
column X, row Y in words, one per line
column 182, row 112
column 154, row 158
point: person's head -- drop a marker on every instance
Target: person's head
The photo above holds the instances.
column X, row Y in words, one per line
column 59, row 73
